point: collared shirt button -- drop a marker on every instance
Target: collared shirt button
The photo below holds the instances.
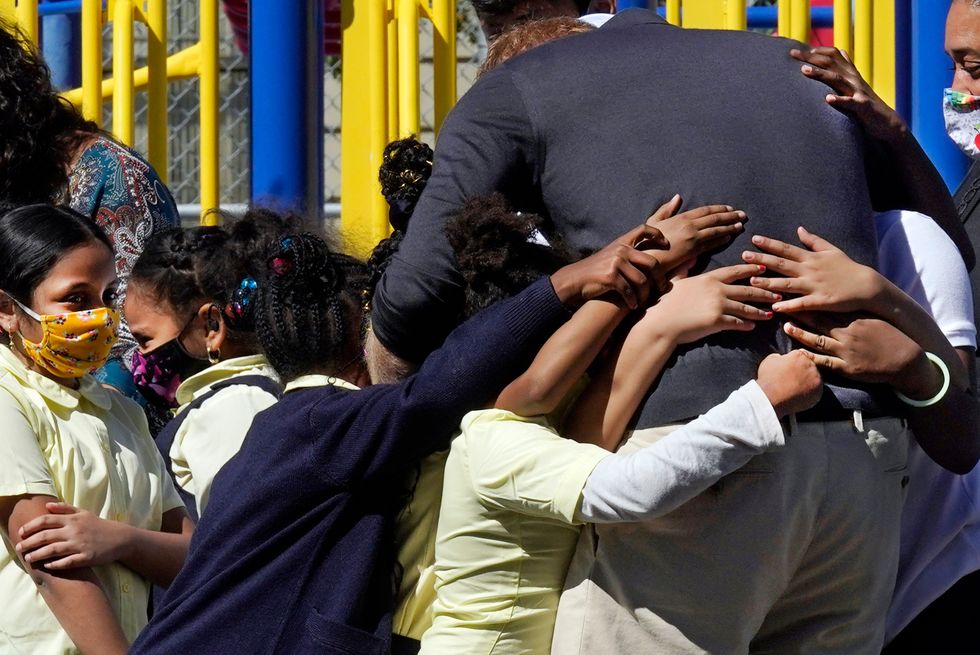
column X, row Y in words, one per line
column 125, row 588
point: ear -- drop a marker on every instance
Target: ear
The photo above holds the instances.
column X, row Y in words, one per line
column 9, row 317
column 214, row 324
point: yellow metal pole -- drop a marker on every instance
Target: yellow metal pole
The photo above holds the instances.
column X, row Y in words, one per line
column 409, row 121
column 27, row 18
column 123, row 107
column 358, row 182
column 391, row 69
column 883, row 51
column 736, row 17
column 444, row 57
column 156, row 61
column 674, row 12
column 784, row 14
column 208, row 81
column 92, row 60
column 800, row 20
column 704, row 14
column 8, row 11
column 843, row 32
column 376, row 226
column 863, row 34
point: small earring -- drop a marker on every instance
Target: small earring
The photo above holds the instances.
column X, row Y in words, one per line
column 214, row 356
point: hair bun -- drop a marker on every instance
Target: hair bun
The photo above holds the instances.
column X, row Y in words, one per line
column 303, row 262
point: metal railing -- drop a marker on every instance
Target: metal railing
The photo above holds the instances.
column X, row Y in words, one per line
column 381, row 98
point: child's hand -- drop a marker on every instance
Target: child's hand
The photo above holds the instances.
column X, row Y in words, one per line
column 69, row 538
column 822, row 277
column 791, row 382
column 853, row 94
column 694, row 232
column 702, row 305
column 867, row 350
column 624, row 268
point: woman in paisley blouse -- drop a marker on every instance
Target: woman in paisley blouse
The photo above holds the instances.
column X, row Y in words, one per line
column 49, row 153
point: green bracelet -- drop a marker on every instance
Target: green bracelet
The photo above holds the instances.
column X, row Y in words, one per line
column 935, row 359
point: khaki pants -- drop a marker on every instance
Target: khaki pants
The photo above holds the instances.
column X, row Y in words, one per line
column 794, row 553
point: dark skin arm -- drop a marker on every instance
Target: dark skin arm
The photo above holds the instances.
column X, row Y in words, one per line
column 911, row 172
column 75, row 597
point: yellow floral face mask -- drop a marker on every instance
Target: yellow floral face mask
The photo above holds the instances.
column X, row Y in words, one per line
column 75, row 343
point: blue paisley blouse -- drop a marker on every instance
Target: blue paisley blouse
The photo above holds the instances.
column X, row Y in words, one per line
column 123, row 194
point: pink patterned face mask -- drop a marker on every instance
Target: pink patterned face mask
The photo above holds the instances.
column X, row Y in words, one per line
column 158, row 373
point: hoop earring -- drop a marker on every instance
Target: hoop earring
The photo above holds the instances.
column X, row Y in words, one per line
column 214, row 356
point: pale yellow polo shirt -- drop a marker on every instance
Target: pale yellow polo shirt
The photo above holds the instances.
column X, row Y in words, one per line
column 213, row 433
column 507, row 531
column 416, row 538
column 90, row 448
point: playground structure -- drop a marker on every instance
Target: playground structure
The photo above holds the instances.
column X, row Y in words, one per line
column 897, row 44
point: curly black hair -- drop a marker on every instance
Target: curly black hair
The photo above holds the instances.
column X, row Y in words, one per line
column 39, row 131
column 507, row 7
column 308, row 307
column 406, row 165
column 497, row 252
column 183, row 268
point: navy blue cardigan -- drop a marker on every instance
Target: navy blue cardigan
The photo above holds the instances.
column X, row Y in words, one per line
column 295, row 551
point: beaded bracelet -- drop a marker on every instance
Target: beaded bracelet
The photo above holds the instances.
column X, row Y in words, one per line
column 935, row 359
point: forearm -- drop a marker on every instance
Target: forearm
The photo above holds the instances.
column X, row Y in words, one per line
column 562, row 360
column 157, row 556
column 668, row 473
column 898, row 308
column 604, row 409
column 81, row 607
column 949, row 431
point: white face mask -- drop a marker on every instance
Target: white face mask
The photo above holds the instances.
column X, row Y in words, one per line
column 962, row 114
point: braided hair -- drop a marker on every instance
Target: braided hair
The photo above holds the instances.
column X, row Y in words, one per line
column 307, row 308
column 499, row 252
column 184, row 268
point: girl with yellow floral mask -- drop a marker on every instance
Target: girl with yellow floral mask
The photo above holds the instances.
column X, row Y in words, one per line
column 88, row 515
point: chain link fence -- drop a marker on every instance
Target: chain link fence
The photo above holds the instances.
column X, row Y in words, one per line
column 183, row 103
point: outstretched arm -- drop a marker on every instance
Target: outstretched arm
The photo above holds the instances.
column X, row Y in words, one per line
column 902, row 165
column 694, row 308
column 660, row 477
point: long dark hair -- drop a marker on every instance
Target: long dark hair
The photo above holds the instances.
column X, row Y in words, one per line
column 39, row 130
column 184, row 268
column 34, row 238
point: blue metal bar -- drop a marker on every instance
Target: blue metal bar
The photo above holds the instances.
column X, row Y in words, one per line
column 930, row 75
column 286, row 55
column 61, row 45
column 903, row 59
column 762, row 18
column 59, row 7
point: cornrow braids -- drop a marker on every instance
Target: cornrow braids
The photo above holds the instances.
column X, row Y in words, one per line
column 499, row 252
column 185, row 268
column 306, row 307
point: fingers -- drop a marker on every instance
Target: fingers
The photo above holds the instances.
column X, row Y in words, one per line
column 813, row 242
column 718, row 233
column 728, row 322
column 831, row 78
column 644, row 237
column 825, row 361
column 750, row 294
column 60, row 508
column 729, row 274
column 779, row 248
column 745, row 311
column 72, row 561
column 57, row 549
column 666, row 210
column 708, row 210
column 40, row 524
column 812, row 340
column 774, row 263
column 39, row 540
column 714, row 219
